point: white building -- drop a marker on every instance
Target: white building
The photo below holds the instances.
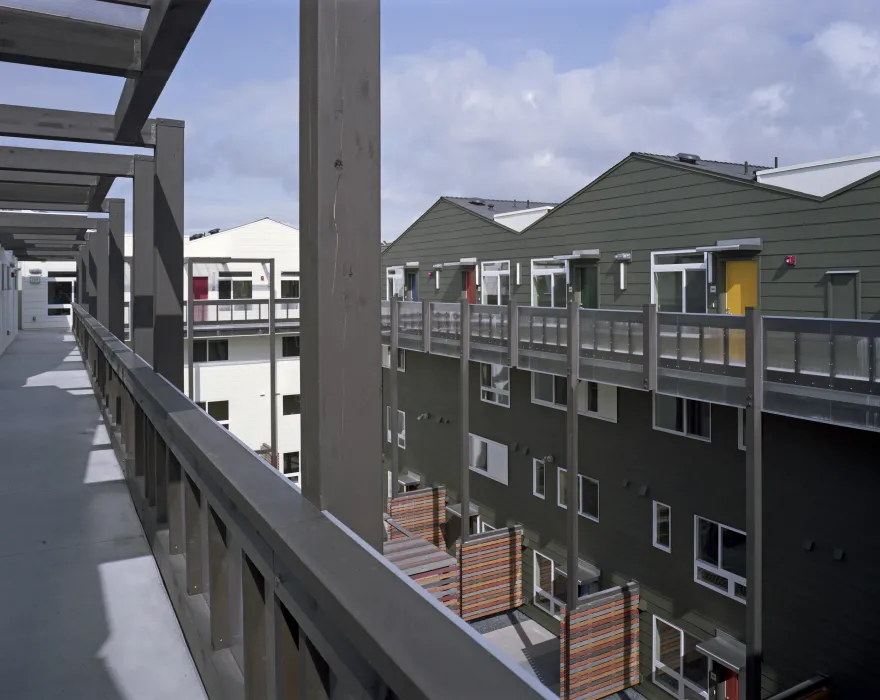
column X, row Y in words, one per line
column 8, row 300
column 231, row 342
column 47, row 291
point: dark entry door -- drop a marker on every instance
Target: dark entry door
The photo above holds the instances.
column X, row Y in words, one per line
column 843, row 295
column 199, row 291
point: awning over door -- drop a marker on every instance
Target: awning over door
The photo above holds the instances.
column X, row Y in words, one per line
column 726, row 650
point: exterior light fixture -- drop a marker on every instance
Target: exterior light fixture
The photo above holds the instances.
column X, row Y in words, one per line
column 623, row 259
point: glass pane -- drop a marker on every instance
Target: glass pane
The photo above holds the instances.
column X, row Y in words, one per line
column 637, row 338
column 560, row 390
column 736, row 347
column 590, row 287
column 669, row 412
column 504, row 289
column 562, row 486
column 695, row 291
column 500, row 376
column 242, row 289
column 560, row 583
column 713, row 345
column 707, row 541
column 59, row 292
column 200, row 351
column 851, row 359
column 664, row 680
column 479, row 454
column 679, row 259
column 490, row 289
column 668, row 341
column 496, row 266
column 815, row 356
column 218, row 351
column 543, row 572
column 589, row 497
column 486, row 375
column 739, row 590
column 695, row 666
column 542, row 600
column 698, row 416
column 779, row 352
column 218, row 410
column 543, row 295
column 224, row 289
column 667, row 646
column 733, row 552
column 668, row 285
column 603, row 336
column 560, row 295
column 592, row 397
column 690, row 343
column 662, row 525
column 543, row 387
column 540, row 478
column 620, row 331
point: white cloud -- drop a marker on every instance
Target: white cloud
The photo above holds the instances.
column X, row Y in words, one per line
column 855, row 52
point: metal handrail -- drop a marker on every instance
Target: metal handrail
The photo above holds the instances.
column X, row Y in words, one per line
column 373, row 626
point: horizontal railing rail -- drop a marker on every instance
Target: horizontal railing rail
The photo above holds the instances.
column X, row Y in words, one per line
column 543, row 339
column 612, row 347
column 490, row 334
column 242, row 311
column 275, row 597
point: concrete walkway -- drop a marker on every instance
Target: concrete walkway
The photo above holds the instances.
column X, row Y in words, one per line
column 83, row 611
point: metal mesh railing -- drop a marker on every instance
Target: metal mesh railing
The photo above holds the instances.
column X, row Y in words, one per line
column 543, row 337
column 410, row 325
column 612, row 347
column 446, row 329
column 490, row 334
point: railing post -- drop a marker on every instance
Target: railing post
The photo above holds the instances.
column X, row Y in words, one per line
column 464, row 418
column 393, row 426
column 649, row 347
column 218, row 572
column 273, row 370
column 513, row 333
column 192, row 522
column 573, row 482
column 140, row 311
column 426, row 326
column 116, row 267
column 754, row 503
column 175, row 505
column 190, row 307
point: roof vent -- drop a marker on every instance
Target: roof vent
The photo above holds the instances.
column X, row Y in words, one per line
column 688, row 158
column 213, row 231
column 491, row 206
column 477, row 202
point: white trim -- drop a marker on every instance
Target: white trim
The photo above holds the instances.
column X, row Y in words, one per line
column 497, row 274
column 659, row 546
column 561, row 474
column 818, row 163
column 686, row 432
column 588, row 516
column 497, row 468
column 732, row 578
column 555, row 604
column 517, row 212
column 491, row 394
column 561, row 267
column 386, row 355
column 679, row 267
column 485, row 527
column 609, row 402
column 535, row 463
column 675, row 674
column 401, row 427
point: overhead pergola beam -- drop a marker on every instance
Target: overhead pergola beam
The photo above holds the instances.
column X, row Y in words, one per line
column 129, row 3
column 167, row 31
column 18, row 232
column 67, row 162
column 64, row 125
column 43, row 206
column 99, row 193
column 38, row 178
column 28, row 220
column 27, row 192
column 53, row 41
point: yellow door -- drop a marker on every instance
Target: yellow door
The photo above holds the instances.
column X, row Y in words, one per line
column 742, row 285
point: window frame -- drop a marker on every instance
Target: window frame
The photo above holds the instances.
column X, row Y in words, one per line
column 718, row 570
column 290, row 280
column 562, row 268
column 498, row 274
column 589, row 516
column 535, row 463
column 491, row 394
column 561, row 478
column 683, row 268
column 556, row 605
column 285, row 338
column 208, row 343
column 583, row 405
column 298, row 402
column 654, row 520
column 206, row 407
column 686, row 433
column 293, row 477
column 485, row 527
column 679, row 674
column 490, row 472
column 391, row 275
column 401, row 422
column 741, row 428
column 401, row 358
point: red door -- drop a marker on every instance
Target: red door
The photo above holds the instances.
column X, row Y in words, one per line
column 199, row 291
column 470, row 277
column 731, row 686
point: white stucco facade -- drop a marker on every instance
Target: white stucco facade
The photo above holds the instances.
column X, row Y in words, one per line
column 823, row 177
column 46, row 291
column 8, row 299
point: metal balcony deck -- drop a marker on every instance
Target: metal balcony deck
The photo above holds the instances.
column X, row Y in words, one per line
column 85, row 613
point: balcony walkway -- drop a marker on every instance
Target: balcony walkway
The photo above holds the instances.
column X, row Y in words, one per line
column 83, row 610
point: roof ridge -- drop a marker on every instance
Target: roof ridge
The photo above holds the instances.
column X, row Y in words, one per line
column 707, row 160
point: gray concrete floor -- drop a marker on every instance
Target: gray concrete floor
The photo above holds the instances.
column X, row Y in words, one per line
column 83, row 611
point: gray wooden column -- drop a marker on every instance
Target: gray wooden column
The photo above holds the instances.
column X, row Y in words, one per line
column 754, row 504
column 82, row 276
column 116, row 267
column 393, row 422
column 340, row 262
column 168, row 252
column 571, row 430
column 464, row 415
column 273, row 369
column 140, row 312
column 98, row 283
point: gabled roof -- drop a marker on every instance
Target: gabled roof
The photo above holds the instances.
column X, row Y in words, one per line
column 738, row 170
column 488, row 208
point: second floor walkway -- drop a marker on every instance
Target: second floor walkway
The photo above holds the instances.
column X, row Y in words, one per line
column 85, row 613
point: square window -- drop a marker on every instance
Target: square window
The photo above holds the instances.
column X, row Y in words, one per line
column 290, row 289
column 218, row 350
column 662, row 526
column 290, row 346
column 684, row 416
column 242, row 289
column 290, row 405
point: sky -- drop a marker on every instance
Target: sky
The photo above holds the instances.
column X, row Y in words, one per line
column 508, row 99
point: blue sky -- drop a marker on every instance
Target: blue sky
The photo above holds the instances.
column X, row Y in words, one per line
column 525, row 99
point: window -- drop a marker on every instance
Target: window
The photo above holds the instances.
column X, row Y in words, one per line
column 394, row 283
column 290, row 288
column 231, row 286
column 489, row 458
column 720, row 558
column 676, row 665
column 290, row 466
column 678, row 281
column 684, row 416
column 210, row 350
column 550, row 584
column 59, row 292
column 290, row 346
column 496, row 282
column 218, row 410
column 549, row 282
column 589, row 497
column 741, row 428
column 594, row 400
column 539, row 478
column 401, row 427
column 495, row 384
column 662, row 537
column 290, row 405
column 588, row 494
column 401, row 358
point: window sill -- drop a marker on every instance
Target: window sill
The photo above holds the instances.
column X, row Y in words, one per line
column 487, row 475
column 495, row 403
column 734, row 579
column 587, row 516
column 538, row 495
column 684, row 435
column 668, row 550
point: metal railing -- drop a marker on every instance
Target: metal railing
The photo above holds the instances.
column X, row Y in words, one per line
column 814, row 368
column 276, row 598
column 241, row 311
